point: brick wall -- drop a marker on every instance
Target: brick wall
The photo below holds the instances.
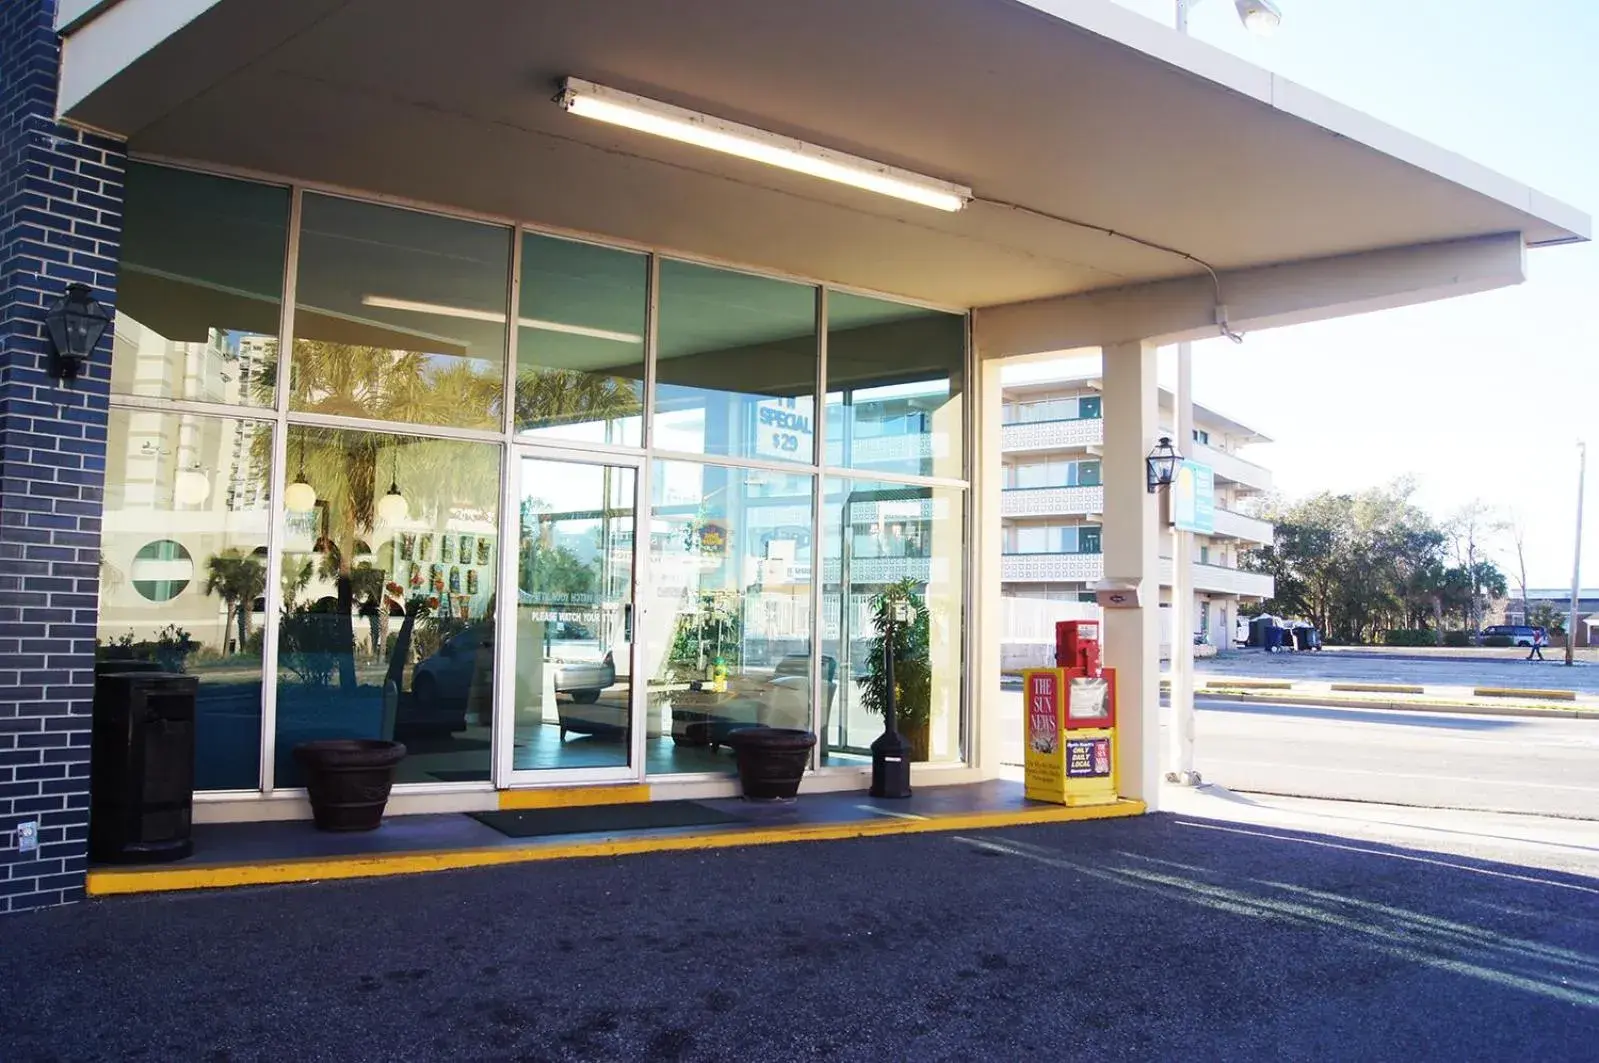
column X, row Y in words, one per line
column 60, row 221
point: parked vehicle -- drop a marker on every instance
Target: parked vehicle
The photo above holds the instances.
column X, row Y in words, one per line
column 442, row 683
column 1518, row 634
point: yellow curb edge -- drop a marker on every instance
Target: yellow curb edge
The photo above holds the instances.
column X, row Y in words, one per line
column 1561, row 712
column 1378, row 688
column 108, row 882
column 1520, row 692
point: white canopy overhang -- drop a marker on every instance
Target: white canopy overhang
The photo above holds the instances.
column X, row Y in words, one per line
column 1076, row 109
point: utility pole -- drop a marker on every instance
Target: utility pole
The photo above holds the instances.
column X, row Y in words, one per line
column 1576, row 561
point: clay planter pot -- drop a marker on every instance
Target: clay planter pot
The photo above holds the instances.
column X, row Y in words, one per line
column 771, row 761
column 348, row 780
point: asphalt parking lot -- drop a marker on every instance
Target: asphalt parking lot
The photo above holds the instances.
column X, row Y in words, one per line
column 1165, row 937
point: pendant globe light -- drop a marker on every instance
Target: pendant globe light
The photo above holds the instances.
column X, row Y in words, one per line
column 192, row 487
column 392, row 507
column 300, row 496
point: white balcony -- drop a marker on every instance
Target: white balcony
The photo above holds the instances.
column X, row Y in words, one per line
column 1086, row 568
column 1232, row 525
column 887, row 570
column 1052, row 435
column 1218, row 579
column 1052, row 501
column 1232, row 468
column 1051, row 568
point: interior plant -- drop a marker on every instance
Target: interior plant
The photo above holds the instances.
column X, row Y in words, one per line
column 712, row 632
column 913, row 666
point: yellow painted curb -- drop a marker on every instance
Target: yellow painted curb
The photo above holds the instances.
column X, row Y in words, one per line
column 1514, row 692
column 105, row 883
column 574, row 796
column 1379, row 688
column 1248, row 684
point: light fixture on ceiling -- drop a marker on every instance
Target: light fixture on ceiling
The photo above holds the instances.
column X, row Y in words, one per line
column 392, row 507
column 385, row 302
column 300, row 497
column 644, row 115
column 192, row 486
column 1259, row 16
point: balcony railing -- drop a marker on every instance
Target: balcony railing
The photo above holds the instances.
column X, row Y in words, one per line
column 1086, row 568
column 1051, row 501
column 1248, row 529
column 1052, row 435
column 1232, row 468
column 1218, row 579
column 1051, row 568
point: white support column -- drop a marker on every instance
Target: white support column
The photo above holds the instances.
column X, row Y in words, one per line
column 1131, row 545
column 1180, row 768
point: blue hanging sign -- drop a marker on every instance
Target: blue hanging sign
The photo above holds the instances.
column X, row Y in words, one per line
column 1193, row 498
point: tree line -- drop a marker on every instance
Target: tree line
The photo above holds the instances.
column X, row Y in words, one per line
column 1362, row 566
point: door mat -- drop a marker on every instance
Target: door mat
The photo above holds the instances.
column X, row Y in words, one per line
column 595, row 819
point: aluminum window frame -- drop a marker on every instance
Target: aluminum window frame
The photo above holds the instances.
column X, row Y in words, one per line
column 513, row 446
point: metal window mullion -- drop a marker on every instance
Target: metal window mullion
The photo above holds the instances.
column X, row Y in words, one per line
column 513, row 305
column 652, row 318
column 907, row 479
column 398, row 428
column 818, row 486
column 502, row 701
column 279, row 523
column 968, row 731
column 783, row 468
column 638, row 681
column 502, row 719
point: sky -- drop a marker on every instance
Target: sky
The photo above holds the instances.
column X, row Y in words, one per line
column 1481, row 397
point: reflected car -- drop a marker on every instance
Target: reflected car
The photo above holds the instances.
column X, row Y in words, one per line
column 441, row 686
column 1518, row 634
column 582, row 668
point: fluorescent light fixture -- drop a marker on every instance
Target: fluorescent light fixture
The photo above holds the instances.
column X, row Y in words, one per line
column 384, row 302
column 639, row 113
column 1259, row 16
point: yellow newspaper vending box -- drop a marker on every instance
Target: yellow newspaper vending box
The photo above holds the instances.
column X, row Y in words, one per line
column 1070, row 717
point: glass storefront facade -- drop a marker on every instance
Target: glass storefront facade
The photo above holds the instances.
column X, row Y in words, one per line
column 336, row 471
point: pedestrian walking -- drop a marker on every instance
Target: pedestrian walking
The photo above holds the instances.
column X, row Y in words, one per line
column 1538, row 639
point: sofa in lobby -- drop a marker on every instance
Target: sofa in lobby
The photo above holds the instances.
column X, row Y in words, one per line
column 701, row 717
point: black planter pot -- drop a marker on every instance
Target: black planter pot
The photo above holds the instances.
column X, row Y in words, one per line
column 348, row 780
column 771, row 761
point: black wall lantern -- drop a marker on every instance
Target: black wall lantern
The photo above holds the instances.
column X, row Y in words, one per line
column 75, row 323
column 1162, row 464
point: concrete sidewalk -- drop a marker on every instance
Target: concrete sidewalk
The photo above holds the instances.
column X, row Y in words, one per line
column 255, row 854
column 1545, row 842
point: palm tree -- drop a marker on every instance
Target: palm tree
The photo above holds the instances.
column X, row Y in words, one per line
column 547, row 397
column 367, row 587
column 238, row 579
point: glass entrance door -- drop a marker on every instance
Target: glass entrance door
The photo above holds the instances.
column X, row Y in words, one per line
column 569, row 708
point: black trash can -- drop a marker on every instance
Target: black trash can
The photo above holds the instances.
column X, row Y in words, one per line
column 141, row 771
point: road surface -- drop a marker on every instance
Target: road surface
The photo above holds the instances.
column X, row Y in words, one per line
column 1430, row 759
column 1496, row 763
column 1355, row 667
column 1166, row 937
